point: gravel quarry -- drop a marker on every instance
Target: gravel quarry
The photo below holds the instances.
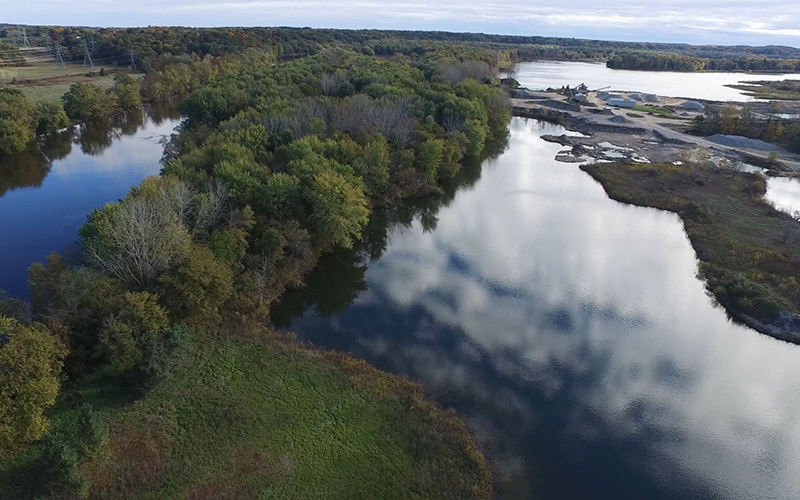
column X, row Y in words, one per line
column 654, row 131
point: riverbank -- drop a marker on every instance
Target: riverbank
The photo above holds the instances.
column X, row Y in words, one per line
column 259, row 415
column 748, row 250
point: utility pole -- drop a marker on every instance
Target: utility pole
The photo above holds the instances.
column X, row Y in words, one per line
column 87, row 56
column 57, row 53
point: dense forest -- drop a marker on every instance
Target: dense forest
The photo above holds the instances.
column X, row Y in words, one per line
column 667, row 61
column 275, row 163
column 115, row 46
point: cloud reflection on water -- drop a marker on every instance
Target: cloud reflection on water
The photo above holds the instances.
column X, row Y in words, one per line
column 564, row 325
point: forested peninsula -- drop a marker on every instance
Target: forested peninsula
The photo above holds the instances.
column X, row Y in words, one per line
column 143, row 358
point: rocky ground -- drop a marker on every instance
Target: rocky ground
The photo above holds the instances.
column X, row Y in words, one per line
column 641, row 135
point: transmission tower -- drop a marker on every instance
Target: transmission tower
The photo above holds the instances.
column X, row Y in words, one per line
column 87, row 56
column 25, row 42
column 57, row 54
column 133, row 62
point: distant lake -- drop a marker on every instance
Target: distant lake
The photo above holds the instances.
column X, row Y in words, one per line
column 46, row 193
column 543, row 74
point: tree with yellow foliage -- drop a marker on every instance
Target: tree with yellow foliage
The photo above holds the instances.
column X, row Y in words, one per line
column 30, row 365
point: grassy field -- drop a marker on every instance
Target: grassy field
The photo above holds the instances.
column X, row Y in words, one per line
column 48, row 83
column 270, row 419
column 786, row 90
column 654, row 110
column 749, row 252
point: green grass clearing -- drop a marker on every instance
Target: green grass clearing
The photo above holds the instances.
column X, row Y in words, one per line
column 48, row 83
column 654, row 110
column 254, row 419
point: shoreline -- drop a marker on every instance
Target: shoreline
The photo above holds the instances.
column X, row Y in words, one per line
column 640, row 187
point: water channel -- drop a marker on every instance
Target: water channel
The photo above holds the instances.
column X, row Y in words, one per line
column 571, row 334
column 46, row 193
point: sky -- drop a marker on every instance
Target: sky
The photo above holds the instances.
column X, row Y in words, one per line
column 731, row 22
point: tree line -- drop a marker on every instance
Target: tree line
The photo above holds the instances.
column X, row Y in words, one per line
column 150, row 44
column 742, row 120
column 666, row 61
column 22, row 121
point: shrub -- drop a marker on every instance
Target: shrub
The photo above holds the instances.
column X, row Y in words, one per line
column 162, row 353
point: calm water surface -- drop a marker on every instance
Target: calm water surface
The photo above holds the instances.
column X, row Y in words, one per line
column 784, row 193
column 570, row 332
column 544, row 74
column 45, row 195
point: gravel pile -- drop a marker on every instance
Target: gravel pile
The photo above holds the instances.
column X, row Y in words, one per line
column 694, row 105
column 737, row 141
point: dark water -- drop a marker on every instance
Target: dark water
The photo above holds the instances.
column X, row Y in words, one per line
column 570, row 332
column 46, row 193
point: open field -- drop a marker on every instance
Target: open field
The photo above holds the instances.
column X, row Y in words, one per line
column 663, row 112
column 268, row 419
column 749, row 252
column 48, row 83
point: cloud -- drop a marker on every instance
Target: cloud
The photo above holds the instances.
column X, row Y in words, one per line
column 537, row 299
column 732, row 21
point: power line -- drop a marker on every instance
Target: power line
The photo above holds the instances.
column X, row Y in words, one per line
column 59, row 60
column 87, row 56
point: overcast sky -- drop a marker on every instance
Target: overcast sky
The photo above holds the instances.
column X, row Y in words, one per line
column 693, row 21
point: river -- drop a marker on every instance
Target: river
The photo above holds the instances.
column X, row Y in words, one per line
column 540, row 75
column 569, row 331
column 46, row 193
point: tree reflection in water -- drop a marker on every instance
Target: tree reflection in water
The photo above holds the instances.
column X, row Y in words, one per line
column 29, row 168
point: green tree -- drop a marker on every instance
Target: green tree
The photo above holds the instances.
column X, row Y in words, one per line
column 120, row 338
column 429, row 157
column 126, row 89
column 50, row 117
column 373, row 165
column 198, row 286
column 338, row 208
column 30, row 365
column 279, row 197
column 17, row 119
column 86, row 101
